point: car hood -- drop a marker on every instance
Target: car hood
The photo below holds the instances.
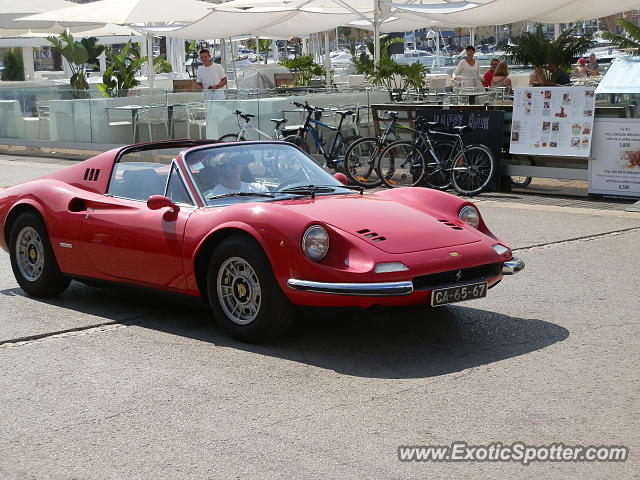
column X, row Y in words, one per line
column 386, row 224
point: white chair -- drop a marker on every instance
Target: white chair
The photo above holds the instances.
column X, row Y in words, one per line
column 43, row 110
column 155, row 114
column 196, row 115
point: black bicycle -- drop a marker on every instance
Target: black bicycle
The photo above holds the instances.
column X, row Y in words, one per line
column 333, row 157
column 437, row 164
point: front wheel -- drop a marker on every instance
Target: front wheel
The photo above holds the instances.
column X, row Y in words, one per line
column 231, row 137
column 401, row 164
column 472, row 170
column 32, row 260
column 522, row 182
column 360, row 162
column 243, row 293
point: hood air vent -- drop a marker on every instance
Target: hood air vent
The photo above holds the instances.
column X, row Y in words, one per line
column 452, row 225
column 373, row 236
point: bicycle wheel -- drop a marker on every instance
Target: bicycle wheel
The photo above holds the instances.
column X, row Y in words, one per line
column 472, row 170
column 340, row 152
column 231, row 137
column 401, row 164
column 437, row 175
column 298, row 141
column 360, row 162
column 520, row 181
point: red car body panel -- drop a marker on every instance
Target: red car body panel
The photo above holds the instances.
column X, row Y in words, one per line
column 122, row 240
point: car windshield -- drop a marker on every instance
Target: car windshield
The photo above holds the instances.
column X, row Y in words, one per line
column 240, row 172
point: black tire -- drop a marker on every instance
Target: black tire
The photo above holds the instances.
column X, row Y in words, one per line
column 522, row 182
column 32, row 259
column 401, row 164
column 360, row 162
column 240, row 277
column 473, row 169
column 231, row 137
column 341, row 151
column 298, row 141
column 436, row 176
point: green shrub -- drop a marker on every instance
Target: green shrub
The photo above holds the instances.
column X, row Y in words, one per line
column 13, row 67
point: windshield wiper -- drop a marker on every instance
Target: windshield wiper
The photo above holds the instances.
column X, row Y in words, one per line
column 313, row 189
column 240, row 194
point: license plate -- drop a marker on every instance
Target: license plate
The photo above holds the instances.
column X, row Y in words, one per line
column 458, row 294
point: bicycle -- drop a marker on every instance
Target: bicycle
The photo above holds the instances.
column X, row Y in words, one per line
column 334, row 157
column 248, row 128
column 469, row 168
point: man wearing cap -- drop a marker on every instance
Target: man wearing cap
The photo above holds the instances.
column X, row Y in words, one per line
column 210, row 76
column 229, row 168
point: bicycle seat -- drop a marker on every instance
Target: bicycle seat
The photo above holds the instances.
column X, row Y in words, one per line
column 391, row 114
column 344, row 113
column 463, row 129
column 279, row 121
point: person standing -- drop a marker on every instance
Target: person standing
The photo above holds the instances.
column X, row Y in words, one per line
column 468, row 71
column 210, row 76
column 486, row 79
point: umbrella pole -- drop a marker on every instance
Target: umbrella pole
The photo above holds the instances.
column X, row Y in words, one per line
column 327, row 59
column 150, row 74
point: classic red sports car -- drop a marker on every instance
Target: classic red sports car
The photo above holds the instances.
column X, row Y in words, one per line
column 252, row 228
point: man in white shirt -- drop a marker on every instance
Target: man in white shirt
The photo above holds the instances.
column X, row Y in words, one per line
column 210, row 76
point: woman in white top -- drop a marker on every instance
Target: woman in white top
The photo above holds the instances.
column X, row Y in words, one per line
column 468, row 70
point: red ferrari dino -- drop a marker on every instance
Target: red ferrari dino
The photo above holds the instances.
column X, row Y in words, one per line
column 252, row 228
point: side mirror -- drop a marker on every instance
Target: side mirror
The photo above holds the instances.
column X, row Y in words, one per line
column 341, row 177
column 156, row 202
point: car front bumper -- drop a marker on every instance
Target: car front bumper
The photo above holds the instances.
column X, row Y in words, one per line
column 380, row 289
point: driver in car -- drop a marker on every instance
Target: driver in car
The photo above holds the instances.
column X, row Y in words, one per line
column 229, row 167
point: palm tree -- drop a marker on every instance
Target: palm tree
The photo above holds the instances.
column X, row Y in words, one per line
column 536, row 50
column 630, row 40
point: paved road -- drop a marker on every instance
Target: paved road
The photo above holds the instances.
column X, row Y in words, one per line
column 102, row 383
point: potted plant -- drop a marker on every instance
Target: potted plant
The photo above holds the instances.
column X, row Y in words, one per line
column 630, row 41
column 304, row 69
column 536, row 50
column 78, row 56
column 395, row 77
column 120, row 75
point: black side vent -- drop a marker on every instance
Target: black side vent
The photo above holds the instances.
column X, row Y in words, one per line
column 91, row 174
column 452, row 225
column 373, row 236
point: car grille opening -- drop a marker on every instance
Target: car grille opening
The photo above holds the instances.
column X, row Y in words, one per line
column 462, row 275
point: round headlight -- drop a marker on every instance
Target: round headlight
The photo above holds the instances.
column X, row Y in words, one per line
column 315, row 242
column 470, row 215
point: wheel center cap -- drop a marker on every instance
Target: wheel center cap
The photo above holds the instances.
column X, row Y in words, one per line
column 241, row 290
column 32, row 254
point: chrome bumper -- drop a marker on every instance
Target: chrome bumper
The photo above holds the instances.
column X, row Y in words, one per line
column 385, row 289
column 513, row 266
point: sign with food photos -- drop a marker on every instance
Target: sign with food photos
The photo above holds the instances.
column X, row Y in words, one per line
column 614, row 166
column 554, row 121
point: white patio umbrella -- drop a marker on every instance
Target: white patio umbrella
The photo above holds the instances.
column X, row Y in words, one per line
column 137, row 13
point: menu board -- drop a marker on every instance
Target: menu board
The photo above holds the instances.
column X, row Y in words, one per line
column 552, row 121
column 614, row 166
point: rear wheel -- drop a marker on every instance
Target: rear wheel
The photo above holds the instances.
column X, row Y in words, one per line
column 244, row 295
column 342, row 146
column 231, row 137
column 360, row 162
column 472, row 170
column 298, row 141
column 32, row 260
column 401, row 165
column 437, row 176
